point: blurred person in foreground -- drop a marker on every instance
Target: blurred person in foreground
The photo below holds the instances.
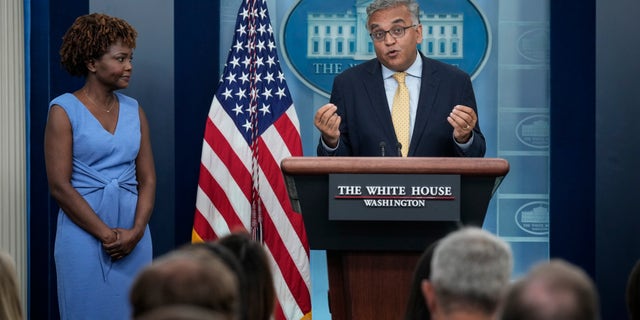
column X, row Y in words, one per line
column 182, row 312
column 188, row 276
column 260, row 292
column 10, row 307
column 470, row 272
column 633, row 292
column 553, row 290
column 416, row 305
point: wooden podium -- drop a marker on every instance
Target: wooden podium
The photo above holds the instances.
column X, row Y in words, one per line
column 370, row 263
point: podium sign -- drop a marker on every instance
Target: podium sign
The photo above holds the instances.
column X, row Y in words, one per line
column 394, row 197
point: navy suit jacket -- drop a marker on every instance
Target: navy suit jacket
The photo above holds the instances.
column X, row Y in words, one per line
column 366, row 128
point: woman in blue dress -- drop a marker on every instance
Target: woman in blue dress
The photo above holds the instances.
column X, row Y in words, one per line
column 101, row 173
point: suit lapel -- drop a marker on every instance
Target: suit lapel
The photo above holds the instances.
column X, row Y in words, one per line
column 428, row 90
column 378, row 98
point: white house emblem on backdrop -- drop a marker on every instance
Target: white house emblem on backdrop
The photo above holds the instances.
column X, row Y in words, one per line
column 533, row 218
column 533, row 131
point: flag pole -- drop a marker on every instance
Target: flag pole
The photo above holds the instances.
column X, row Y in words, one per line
column 256, row 205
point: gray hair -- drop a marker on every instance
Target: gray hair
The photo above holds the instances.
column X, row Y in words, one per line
column 471, row 269
column 412, row 5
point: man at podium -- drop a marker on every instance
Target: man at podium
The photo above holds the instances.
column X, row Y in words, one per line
column 400, row 103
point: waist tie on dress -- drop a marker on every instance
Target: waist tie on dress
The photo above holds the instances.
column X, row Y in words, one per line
column 88, row 180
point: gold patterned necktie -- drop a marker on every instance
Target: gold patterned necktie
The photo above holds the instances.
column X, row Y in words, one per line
column 400, row 112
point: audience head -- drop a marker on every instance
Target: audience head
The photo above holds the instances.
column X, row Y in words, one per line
column 260, row 291
column 187, row 276
column 633, row 292
column 416, row 307
column 182, row 312
column 470, row 271
column 10, row 307
column 554, row 290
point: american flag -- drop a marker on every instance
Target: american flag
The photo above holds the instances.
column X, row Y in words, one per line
column 252, row 125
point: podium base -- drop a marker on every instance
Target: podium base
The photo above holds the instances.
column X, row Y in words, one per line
column 369, row 285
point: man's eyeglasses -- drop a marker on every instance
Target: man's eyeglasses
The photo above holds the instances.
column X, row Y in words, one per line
column 396, row 32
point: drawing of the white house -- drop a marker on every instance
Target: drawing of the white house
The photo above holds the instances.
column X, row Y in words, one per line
column 344, row 35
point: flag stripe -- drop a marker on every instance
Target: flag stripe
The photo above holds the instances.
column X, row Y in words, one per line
column 287, row 129
column 285, row 241
column 234, row 155
column 281, row 198
column 283, row 291
column 233, row 174
column 201, row 228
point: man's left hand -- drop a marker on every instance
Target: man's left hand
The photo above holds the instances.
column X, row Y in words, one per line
column 463, row 119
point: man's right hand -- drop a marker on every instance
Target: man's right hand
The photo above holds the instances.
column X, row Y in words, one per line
column 328, row 122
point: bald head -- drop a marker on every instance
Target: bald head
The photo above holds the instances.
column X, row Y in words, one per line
column 554, row 290
column 193, row 277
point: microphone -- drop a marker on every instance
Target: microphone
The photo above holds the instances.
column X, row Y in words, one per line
column 399, row 147
column 382, row 148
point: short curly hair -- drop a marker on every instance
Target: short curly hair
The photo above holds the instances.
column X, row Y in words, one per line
column 89, row 37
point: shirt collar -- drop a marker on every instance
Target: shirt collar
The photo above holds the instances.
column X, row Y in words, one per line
column 415, row 70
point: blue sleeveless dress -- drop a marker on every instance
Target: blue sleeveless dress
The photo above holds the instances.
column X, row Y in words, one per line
column 90, row 285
